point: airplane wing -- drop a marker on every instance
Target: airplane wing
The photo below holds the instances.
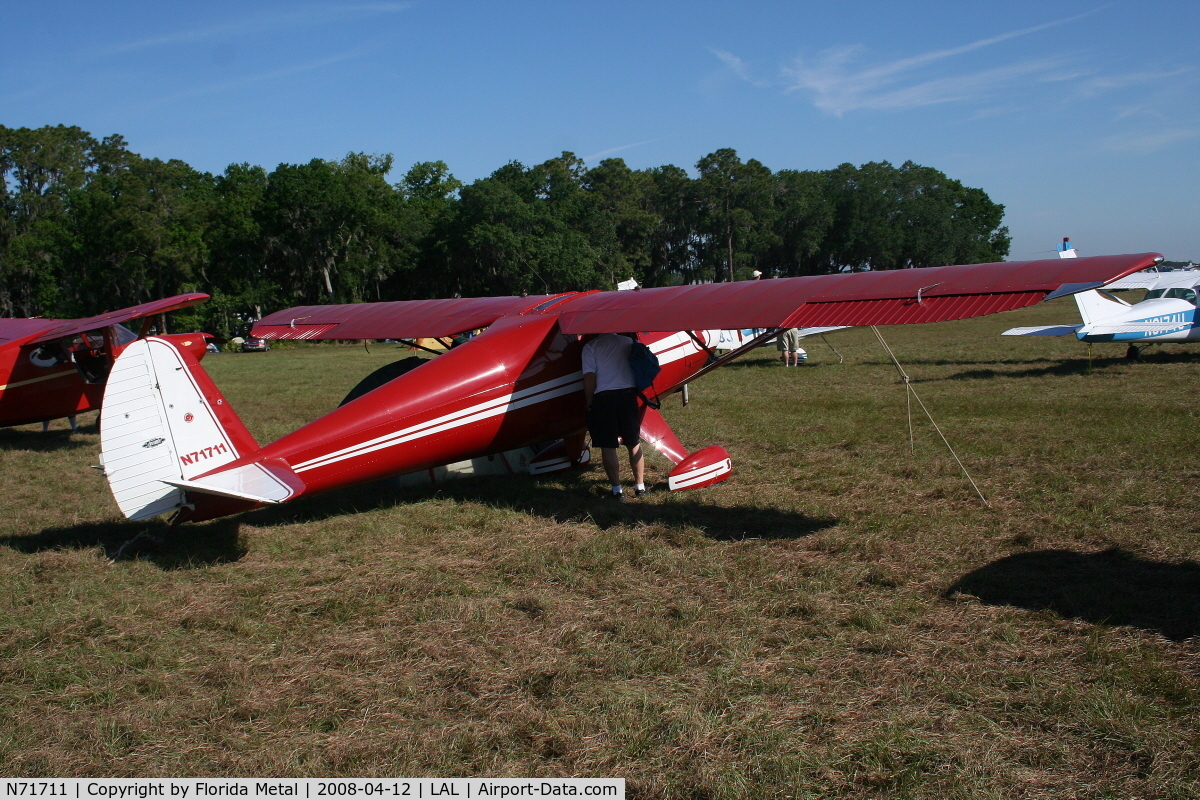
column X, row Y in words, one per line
column 400, row 319
column 1043, row 330
column 1156, row 280
column 15, row 331
column 891, row 297
column 20, row 331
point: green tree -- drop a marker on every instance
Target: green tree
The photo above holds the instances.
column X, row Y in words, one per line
column 623, row 223
column 801, row 223
column 886, row 217
column 672, row 245
column 329, row 228
column 235, row 274
column 38, row 169
column 737, row 212
column 138, row 233
column 526, row 230
column 426, row 214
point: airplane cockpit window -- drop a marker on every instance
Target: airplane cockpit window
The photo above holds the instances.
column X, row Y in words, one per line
column 1183, row 294
column 49, row 355
column 123, row 335
column 1153, row 294
column 90, row 352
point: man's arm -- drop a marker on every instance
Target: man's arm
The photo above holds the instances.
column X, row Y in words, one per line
column 589, row 388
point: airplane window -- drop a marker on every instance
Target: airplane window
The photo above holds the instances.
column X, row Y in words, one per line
column 1183, row 294
column 1153, row 293
column 124, row 335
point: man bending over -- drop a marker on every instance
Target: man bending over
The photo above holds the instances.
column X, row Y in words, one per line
column 612, row 408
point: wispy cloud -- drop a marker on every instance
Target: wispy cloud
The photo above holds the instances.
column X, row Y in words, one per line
column 614, row 150
column 263, row 77
column 838, row 88
column 738, row 67
column 305, row 16
column 1146, row 143
column 1106, row 83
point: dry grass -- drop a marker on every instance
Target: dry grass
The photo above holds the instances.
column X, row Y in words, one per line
column 841, row 618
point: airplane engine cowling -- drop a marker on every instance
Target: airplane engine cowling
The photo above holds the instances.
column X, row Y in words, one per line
column 704, row 467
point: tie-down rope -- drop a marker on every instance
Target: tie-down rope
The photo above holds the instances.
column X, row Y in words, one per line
column 912, row 393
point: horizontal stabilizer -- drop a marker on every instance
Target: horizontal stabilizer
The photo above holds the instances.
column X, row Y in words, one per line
column 258, row 483
column 1148, row 328
column 706, row 466
column 1043, row 330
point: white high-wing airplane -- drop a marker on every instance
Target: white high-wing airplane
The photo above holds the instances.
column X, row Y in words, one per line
column 1166, row 314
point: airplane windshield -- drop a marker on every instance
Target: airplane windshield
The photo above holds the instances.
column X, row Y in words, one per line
column 1153, row 294
column 123, row 335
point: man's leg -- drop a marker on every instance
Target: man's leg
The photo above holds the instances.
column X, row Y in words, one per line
column 637, row 464
column 612, row 465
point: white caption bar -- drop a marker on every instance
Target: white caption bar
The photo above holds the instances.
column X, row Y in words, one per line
column 317, row 788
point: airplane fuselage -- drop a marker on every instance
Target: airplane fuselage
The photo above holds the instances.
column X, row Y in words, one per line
column 519, row 383
column 51, row 380
column 1164, row 319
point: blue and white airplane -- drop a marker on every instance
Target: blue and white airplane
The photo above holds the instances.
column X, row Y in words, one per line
column 1166, row 314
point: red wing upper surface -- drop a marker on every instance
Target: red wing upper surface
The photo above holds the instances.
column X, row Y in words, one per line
column 402, row 319
column 26, row 331
column 890, row 297
column 19, row 330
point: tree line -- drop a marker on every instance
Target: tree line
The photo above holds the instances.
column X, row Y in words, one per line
column 87, row 226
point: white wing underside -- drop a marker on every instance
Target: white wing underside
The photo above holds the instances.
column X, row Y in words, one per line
column 1043, row 330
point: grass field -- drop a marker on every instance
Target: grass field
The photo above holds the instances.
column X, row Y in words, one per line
column 843, row 618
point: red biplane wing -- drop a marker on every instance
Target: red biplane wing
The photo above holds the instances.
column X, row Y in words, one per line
column 20, row 331
column 891, row 297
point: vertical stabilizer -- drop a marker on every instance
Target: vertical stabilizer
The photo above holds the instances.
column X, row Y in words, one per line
column 163, row 420
column 1094, row 307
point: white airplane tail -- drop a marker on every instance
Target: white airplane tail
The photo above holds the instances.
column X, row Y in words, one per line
column 163, row 424
column 1094, row 306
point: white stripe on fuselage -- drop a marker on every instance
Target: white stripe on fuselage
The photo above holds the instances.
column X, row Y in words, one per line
column 672, row 348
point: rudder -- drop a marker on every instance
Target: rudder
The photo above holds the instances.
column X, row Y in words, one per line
column 163, row 420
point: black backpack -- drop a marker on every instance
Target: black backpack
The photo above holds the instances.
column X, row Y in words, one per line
column 645, row 368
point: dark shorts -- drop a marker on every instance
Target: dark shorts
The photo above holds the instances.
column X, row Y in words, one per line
column 615, row 414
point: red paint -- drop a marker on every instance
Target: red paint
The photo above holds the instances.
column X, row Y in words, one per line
column 54, row 368
column 519, row 384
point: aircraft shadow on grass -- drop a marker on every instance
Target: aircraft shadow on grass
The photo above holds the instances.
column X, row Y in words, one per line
column 196, row 545
column 14, row 440
column 153, row 541
column 1113, row 587
column 570, row 502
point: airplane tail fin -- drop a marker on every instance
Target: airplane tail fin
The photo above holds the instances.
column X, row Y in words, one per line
column 165, row 429
column 1094, row 306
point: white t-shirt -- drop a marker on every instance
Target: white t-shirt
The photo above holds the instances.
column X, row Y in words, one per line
column 607, row 356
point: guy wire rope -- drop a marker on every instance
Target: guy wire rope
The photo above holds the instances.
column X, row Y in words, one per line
column 912, row 393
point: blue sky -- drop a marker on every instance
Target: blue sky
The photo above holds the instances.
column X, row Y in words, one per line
column 1082, row 118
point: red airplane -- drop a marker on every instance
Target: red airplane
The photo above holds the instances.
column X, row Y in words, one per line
column 171, row 443
column 54, row 368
